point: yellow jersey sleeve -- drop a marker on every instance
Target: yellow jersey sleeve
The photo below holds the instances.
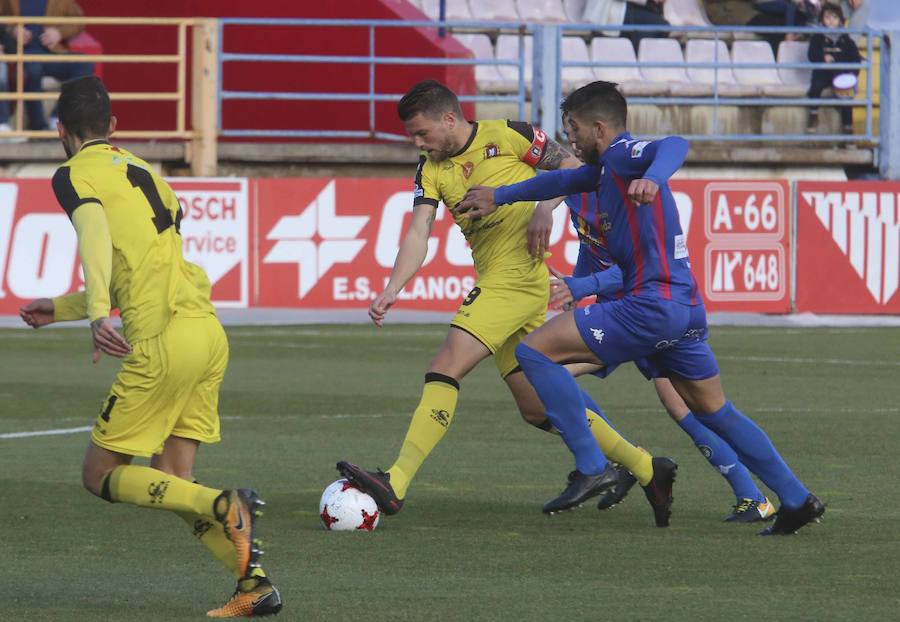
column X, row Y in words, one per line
column 70, row 307
column 95, row 248
column 75, row 190
column 426, row 191
column 527, row 141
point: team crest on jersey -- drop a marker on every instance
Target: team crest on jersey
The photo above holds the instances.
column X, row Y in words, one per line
column 467, row 168
column 491, row 151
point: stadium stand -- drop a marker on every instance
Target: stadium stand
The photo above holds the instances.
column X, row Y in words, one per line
column 705, row 51
column 630, row 80
column 456, row 9
column 686, row 13
column 547, row 11
column 488, row 77
column 767, row 78
column 669, row 51
column 508, row 47
column 500, row 10
column 573, row 9
column 574, row 49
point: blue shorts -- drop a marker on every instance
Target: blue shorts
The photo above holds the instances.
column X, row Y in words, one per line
column 662, row 337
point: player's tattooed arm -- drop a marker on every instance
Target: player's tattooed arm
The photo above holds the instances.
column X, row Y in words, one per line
column 556, row 156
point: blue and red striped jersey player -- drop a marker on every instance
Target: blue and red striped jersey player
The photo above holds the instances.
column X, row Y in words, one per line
column 660, row 317
column 596, row 274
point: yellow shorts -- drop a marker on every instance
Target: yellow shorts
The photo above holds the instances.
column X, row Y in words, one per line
column 502, row 308
column 169, row 386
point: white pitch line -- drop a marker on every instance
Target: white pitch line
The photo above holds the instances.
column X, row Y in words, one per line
column 804, row 361
column 56, row 432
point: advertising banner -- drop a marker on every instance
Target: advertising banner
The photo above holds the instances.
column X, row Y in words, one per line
column 848, row 247
column 331, row 243
column 39, row 250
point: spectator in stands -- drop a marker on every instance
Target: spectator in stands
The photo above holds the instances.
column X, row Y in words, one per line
column 636, row 12
column 831, row 48
column 783, row 13
column 44, row 39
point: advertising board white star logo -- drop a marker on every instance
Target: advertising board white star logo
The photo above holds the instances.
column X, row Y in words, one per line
column 316, row 239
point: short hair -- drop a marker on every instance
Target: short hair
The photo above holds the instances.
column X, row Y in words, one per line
column 599, row 100
column 834, row 9
column 84, row 108
column 430, row 98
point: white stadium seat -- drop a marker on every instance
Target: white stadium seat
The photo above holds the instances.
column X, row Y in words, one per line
column 500, row 10
column 629, row 79
column 574, row 9
column 767, row 78
column 487, row 77
column 653, row 50
column 575, row 49
column 794, row 52
column 508, row 48
column 541, row 10
column 707, row 51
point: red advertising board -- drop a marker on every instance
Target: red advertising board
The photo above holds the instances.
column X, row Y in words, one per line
column 39, row 251
column 331, row 243
column 739, row 242
column 848, row 247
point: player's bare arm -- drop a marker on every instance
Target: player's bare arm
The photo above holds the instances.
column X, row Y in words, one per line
column 410, row 257
column 556, row 156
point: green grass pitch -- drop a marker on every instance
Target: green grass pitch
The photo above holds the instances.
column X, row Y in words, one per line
column 471, row 542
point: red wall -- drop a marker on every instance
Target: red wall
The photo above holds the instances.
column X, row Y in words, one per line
column 286, row 77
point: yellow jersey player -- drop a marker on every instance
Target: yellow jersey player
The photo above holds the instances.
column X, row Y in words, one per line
column 164, row 400
column 509, row 299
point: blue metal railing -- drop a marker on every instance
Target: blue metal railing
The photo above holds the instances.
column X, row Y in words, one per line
column 372, row 60
column 546, row 80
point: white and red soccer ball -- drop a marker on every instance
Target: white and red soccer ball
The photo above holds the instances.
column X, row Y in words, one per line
column 344, row 507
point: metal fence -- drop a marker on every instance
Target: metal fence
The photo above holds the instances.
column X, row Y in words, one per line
column 542, row 85
column 372, row 60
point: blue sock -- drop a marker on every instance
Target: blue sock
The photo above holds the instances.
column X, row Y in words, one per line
column 756, row 451
column 721, row 456
column 562, row 398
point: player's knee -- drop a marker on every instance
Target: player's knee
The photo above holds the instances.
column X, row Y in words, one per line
column 93, row 479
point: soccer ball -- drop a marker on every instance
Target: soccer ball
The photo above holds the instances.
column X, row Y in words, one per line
column 344, row 507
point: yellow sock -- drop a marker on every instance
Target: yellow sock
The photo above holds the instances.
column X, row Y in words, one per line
column 151, row 488
column 617, row 449
column 211, row 533
column 429, row 423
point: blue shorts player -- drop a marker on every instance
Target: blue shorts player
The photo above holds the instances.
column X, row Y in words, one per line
column 660, row 316
column 595, row 274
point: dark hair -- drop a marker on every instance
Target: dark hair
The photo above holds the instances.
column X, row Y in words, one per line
column 599, row 100
column 84, row 108
column 834, row 9
column 429, row 97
